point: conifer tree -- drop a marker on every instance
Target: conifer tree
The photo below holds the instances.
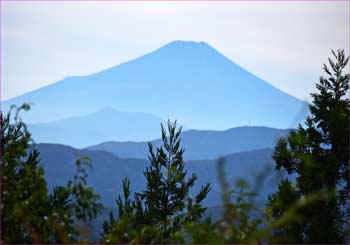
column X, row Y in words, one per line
column 161, row 210
column 23, row 188
column 317, row 153
column 29, row 214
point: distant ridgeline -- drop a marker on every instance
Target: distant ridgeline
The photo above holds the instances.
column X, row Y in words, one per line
column 247, row 151
column 109, row 170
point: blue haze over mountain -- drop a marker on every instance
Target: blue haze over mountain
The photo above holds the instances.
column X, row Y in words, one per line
column 109, row 170
column 188, row 81
column 103, row 125
column 203, row 144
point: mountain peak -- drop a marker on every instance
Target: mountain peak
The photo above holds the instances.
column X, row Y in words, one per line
column 183, row 43
column 179, row 46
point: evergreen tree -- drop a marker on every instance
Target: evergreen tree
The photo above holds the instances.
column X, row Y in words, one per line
column 29, row 214
column 288, row 228
column 317, row 153
column 23, row 188
column 159, row 211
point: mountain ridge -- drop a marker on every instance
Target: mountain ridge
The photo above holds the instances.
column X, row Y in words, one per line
column 203, row 144
column 109, row 170
column 104, row 124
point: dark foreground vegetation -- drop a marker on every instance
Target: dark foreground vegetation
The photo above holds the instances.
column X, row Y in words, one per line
column 311, row 207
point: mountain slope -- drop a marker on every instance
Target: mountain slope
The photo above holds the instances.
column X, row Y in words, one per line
column 105, row 176
column 203, row 144
column 109, row 170
column 188, row 81
column 105, row 124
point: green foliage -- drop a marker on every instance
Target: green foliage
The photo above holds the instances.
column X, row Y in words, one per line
column 23, row 188
column 157, row 213
column 288, row 228
column 29, row 213
column 318, row 154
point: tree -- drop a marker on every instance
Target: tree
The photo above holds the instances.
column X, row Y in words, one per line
column 29, row 214
column 317, row 153
column 159, row 211
column 287, row 228
column 23, row 187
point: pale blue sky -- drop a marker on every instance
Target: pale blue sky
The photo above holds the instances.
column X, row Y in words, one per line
column 284, row 43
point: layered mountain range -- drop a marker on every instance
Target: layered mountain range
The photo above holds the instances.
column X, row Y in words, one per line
column 109, row 170
column 203, row 144
column 110, row 116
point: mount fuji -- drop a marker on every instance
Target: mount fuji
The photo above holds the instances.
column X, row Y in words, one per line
column 184, row 80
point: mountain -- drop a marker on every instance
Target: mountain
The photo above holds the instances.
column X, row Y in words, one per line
column 105, row 124
column 203, row 144
column 105, row 176
column 109, row 170
column 188, row 81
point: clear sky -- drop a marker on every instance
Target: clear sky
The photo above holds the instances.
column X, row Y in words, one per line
column 284, row 43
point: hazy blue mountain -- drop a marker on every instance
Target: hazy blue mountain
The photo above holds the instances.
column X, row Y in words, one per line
column 105, row 124
column 109, row 170
column 188, row 81
column 106, row 175
column 203, row 144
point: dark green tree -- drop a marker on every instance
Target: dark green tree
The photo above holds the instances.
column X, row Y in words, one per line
column 23, row 188
column 124, row 228
column 287, row 227
column 29, row 214
column 317, row 153
column 159, row 211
